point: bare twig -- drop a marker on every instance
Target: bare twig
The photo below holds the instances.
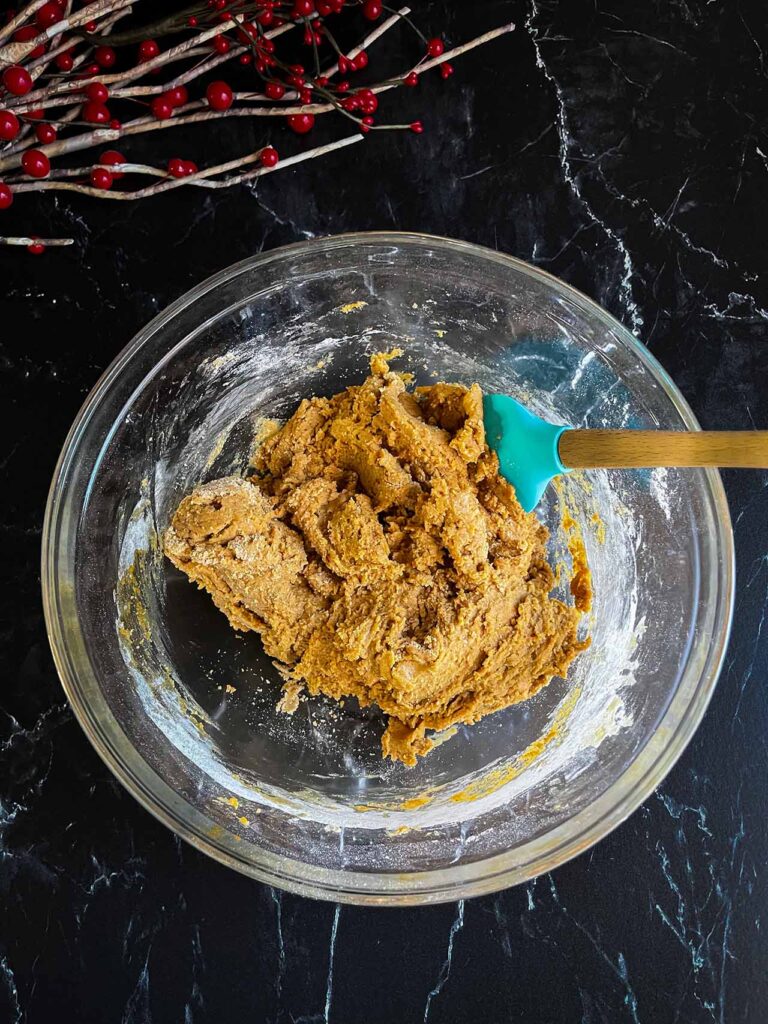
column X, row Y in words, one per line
column 12, row 240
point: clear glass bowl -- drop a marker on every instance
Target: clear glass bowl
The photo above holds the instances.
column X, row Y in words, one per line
column 182, row 709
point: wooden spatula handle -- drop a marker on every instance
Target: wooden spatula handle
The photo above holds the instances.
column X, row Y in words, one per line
column 625, row 449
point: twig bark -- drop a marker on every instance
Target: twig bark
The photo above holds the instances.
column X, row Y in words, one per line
column 21, row 240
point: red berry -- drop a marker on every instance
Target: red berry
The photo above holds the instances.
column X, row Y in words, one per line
column 342, row 86
column 322, row 81
column 345, row 65
column 161, row 107
column 302, row 8
column 105, row 56
column 221, row 44
column 368, row 120
column 95, row 113
column 16, row 80
column 97, row 91
column 268, row 46
column 91, row 70
column 36, row 248
column 178, row 95
column 372, row 10
column 324, row 8
column 301, row 123
column 247, row 32
column 148, row 49
column 360, row 61
column 6, row 196
column 48, row 15
column 9, row 125
column 268, row 156
column 350, row 103
column 115, row 125
column 411, row 79
column 192, row 21
column 305, row 95
column 219, row 96
column 266, row 18
column 435, row 47
column 274, row 90
column 261, row 66
column 90, row 26
column 35, row 163
column 45, row 133
column 417, row 127
column 111, row 157
column 35, row 115
column 190, row 167
column 446, row 70
column 245, row 58
column 176, row 167
column 23, row 35
column 64, row 61
column 101, row 178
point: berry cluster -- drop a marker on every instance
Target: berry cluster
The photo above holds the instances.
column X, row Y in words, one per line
column 71, row 80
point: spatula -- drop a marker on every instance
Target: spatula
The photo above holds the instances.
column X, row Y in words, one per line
column 531, row 451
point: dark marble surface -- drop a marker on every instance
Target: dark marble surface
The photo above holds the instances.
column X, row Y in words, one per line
column 621, row 146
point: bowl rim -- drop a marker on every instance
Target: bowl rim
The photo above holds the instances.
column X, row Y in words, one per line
column 556, row 846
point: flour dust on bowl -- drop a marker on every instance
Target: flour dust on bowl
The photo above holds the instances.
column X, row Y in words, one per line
column 183, row 709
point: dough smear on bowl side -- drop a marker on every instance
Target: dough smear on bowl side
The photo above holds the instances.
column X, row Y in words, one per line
column 379, row 554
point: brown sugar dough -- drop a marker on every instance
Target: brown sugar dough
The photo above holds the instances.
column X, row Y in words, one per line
column 380, row 555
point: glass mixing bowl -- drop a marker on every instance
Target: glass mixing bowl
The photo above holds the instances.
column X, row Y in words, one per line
column 183, row 709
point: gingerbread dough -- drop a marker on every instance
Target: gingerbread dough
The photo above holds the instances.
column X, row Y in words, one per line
column 379, row 555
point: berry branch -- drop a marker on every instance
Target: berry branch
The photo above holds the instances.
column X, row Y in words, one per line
column 195, row 177
column 69, row 84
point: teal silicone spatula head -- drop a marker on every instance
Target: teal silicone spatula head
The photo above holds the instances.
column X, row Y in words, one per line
column 526, row 445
